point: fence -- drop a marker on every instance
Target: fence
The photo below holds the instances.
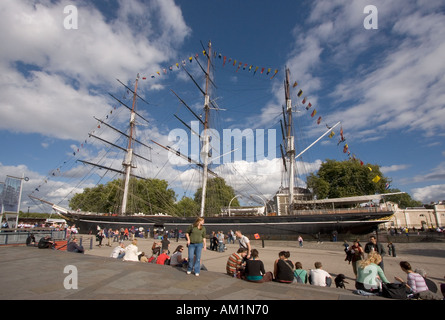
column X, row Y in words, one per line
column 19, row 236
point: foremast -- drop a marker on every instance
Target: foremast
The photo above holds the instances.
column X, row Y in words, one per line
column 206, row 138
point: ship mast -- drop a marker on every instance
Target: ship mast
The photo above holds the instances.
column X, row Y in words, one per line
column 205, row 138
column 127, row 163
column 290, row 145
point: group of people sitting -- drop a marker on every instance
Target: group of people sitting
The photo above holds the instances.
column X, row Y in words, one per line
column 46, row 242
column 249, row 267
column 159, row 255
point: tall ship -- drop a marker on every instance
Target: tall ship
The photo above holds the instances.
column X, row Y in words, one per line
column 293, row 210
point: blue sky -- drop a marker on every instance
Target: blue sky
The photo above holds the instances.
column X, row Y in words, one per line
column 385, row 85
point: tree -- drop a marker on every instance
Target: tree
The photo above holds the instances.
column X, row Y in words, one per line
column 404, row 200
column 187, row 207
column 218, row 195
column 148, row 196
column 347, row 178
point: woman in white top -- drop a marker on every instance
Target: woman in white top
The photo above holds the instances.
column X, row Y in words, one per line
column 132, row 252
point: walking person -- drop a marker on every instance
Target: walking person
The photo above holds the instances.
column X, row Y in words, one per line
column 356, row 254
column 300, row 241
column 196, row 242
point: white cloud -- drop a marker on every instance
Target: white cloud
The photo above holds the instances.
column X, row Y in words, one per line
column 57, row 96
column 429, row 194
column 395, row 167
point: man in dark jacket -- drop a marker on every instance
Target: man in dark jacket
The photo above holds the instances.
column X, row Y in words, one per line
column 372, row 245
column 73, row 246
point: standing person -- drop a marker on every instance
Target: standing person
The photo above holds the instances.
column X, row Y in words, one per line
column 165, row 243
column 300, row 241
column 367, row 273
column 231, row 237
column 220, row 237
column 244, row 242
column 196, row 242
column 255, row 271
column 319, row 277
column 373, row 245
column 100, row 236
column 356, row 253
column 283, row 268
column 416, row 283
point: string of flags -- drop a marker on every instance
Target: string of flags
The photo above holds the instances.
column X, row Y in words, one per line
column 308, row 105
column 226, row 61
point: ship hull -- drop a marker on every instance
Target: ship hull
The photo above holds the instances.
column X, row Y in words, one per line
column 268, row 227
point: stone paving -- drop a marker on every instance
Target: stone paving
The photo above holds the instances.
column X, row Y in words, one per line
column 35, row 274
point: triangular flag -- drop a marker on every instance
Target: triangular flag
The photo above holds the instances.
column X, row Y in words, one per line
column 295, row 84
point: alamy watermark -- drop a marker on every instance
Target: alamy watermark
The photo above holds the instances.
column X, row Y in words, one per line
column 71, row 21
column 234, row 145
column 71, row 280
column 371, row 21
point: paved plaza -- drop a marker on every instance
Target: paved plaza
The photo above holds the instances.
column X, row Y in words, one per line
column 31, row 273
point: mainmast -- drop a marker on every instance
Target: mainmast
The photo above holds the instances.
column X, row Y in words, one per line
column 290, row 145
column 129, row 155
column 205, row 138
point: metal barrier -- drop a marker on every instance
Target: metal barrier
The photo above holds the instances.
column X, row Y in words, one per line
column 19, row 236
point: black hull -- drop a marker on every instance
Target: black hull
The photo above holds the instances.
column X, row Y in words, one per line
column 268, row 227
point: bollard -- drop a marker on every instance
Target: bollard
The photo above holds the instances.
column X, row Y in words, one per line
column 91, row 243
column 262, row 241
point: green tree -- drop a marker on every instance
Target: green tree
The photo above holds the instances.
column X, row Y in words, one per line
column 187, row 207
column 218, row 195
column 347, row 178
column 148, row 196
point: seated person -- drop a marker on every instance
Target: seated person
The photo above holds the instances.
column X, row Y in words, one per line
column 300, row 274
column 119, row 251
column 254, row 271
column 162, row 257
column 31, row 241
column 176, row 259
column 367, row 267
column 319, row 277
column 235, row 263
column 283, row 268
column 73, row 246
column 46, row 243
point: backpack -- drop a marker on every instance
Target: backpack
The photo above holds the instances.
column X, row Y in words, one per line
column 394, row 290
column 297, row 276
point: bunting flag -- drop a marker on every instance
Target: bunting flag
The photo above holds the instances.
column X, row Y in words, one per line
column 331, row 134
column 313, row 113
column 300, row 93
column 319, row 120
column 295, row 84
column 387, row 186
column 376, row 179
column 345, row 148
column 309, row 105
column 304, row 101
column 370, row 169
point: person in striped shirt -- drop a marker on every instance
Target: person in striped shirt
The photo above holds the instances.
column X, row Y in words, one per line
column 235, row 263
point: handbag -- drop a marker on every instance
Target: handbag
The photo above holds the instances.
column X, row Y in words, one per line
column 394, row 290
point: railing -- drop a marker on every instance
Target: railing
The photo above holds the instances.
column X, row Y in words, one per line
column 19, row 236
